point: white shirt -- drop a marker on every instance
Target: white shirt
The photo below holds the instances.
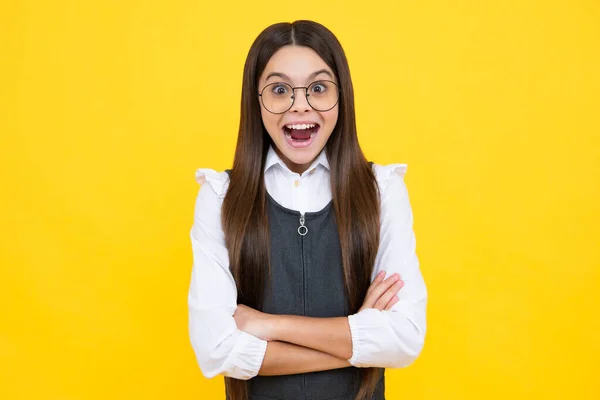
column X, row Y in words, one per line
column 386, row 339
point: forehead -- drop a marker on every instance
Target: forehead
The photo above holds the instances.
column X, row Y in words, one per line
column 297, row 62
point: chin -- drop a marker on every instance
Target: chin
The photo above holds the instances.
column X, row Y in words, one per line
column 299, row 159
column 305, row 158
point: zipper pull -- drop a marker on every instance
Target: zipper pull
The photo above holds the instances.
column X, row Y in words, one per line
column 302, row 230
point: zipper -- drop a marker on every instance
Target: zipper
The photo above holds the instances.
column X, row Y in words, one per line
column 302, row 231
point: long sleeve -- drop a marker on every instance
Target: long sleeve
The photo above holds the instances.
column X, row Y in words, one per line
column 393, row 338
column 220, row 347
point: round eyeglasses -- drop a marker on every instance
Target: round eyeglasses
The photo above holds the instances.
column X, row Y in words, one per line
column 278, row 97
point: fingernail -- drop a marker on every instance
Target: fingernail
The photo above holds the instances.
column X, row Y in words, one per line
column 381, row 273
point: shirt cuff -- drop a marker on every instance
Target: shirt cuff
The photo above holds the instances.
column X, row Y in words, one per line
column 246, row 357
column 361, row 324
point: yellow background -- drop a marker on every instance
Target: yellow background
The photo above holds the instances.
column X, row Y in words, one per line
column 108, row 107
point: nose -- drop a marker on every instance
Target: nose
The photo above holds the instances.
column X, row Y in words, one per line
column 300, row 101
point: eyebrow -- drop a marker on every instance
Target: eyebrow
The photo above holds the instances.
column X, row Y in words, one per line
column 311, row 76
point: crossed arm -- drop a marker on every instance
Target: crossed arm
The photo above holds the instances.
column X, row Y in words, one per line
column 252, row 342
column 283, row 358
column 297, row 344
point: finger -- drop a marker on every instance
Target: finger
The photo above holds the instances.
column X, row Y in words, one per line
column 378, row 289
column 393, row 301
column 378, row 279
column 381, row 288
column 387, row 296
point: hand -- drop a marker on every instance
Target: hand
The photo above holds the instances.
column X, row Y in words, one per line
column 381, row 295
column 255, row 322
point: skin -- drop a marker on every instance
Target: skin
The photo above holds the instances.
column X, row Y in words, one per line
column 327, row 335
column 298, row 344
column 299, row 65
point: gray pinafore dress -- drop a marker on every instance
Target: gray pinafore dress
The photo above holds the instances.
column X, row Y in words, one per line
column 307, row 280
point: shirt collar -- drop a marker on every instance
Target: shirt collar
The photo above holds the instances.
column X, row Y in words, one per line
column 274, row 159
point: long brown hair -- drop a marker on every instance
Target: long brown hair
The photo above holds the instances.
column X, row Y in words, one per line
column 353, row 185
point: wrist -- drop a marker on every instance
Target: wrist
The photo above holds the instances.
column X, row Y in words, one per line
column 278, row 324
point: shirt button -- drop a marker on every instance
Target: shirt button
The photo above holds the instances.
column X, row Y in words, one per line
column 296, row 183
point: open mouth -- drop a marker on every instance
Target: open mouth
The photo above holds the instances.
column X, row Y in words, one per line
column 300, row 135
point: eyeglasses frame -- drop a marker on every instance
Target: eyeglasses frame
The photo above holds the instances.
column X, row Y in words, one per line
column 305, row 94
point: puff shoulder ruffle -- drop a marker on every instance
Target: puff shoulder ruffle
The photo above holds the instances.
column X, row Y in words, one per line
column 383, row 173
column 219, row 181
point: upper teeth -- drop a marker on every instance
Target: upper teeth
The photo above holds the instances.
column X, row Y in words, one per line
column 301, row 126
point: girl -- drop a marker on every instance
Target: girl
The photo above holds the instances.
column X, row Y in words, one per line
column 289, row 297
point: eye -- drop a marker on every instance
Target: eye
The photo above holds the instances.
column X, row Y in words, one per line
column 279, row 89
column 318, row 88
